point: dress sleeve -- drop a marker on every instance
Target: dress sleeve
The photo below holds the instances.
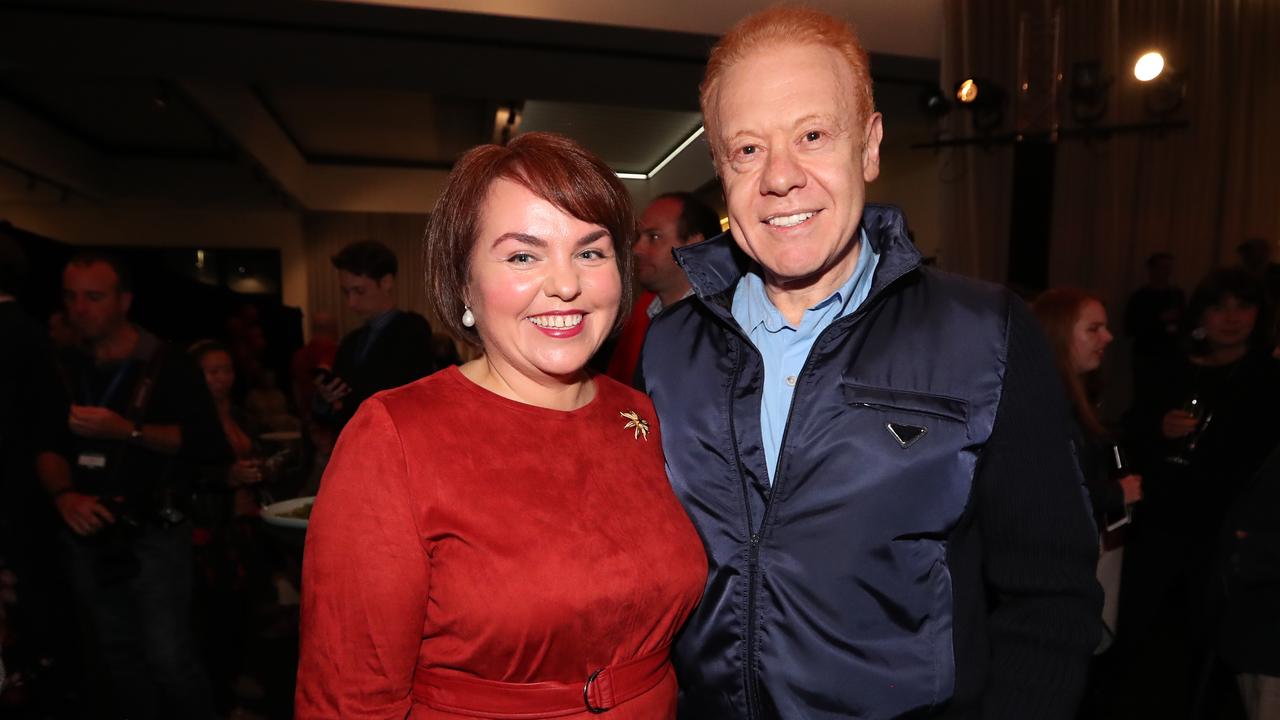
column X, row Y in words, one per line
column 1040, row 546
column 365, row 580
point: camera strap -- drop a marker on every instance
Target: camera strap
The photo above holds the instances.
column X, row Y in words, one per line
column 139, row 401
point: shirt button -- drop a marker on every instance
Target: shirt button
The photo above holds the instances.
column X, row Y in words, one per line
column 791, row 381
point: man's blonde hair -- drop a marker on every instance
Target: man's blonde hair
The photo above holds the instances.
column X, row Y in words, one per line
column 784, row 25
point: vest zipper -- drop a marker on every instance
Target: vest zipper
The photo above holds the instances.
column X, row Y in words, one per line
column 751, row 685
column 851, row 318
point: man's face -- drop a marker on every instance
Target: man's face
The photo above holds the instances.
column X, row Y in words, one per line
column 365, row 296
column 795, row 161
column 95, row 306
column 656, row 269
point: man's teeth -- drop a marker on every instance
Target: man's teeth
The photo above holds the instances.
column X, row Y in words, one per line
column 558, row 322
column 790, row 220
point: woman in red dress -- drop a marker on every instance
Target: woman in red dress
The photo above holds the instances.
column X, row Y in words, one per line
column 499, row 540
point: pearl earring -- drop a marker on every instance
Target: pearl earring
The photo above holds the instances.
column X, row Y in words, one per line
column 468, row 318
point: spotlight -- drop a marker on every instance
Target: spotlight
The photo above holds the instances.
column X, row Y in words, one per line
column 934, row 102
column 1149, row 66
column 1165, row 95
column 1165, row 86
column 1088, row 92
column 984, row 99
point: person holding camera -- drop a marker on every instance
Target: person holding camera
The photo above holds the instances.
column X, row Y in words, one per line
column 140, row 422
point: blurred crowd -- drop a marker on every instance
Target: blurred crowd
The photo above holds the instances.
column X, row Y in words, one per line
column 137, row 579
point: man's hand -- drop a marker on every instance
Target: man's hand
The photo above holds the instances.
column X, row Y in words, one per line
column 1131, row 485
column 1178, row 423
column 245, row 472
column 83, row 513
column 100, row 423
column 333, row 391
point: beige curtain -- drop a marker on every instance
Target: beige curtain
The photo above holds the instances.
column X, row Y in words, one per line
column 981, row 41
column 326, row 233
column 1196, row 192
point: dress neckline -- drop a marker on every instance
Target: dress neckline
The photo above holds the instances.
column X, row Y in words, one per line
column 454, row 373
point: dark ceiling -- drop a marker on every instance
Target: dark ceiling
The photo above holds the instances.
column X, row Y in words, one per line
column 352, row 85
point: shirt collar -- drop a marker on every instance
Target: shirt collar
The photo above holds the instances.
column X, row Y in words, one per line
column 760, row 309
column 379, row 322
column 656, row 307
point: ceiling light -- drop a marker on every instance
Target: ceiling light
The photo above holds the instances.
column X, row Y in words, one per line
column 506, row 122
column 967, row 91
column 670, row 156
column 679, row 149
column 1149, row 66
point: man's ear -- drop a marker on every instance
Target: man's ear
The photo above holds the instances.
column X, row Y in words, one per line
column 873, row 133
column 386, row 282
column 694, row 239
column 126, row 299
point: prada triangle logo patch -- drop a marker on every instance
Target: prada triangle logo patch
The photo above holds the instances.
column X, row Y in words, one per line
column 906, row 435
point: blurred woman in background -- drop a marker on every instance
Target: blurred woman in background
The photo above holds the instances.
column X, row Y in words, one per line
column 233, row 575
column 1203, row 427
column 1076, row 323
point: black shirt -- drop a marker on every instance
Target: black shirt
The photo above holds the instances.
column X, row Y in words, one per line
column 32, row 408
column 142, row 477
column 399, row 352
column 1239, row 402
column 1153, row 334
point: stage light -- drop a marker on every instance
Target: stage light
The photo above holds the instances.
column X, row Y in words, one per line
column 1149, row 66
column 934, row 102
column 984, row 99
column 1088, row 93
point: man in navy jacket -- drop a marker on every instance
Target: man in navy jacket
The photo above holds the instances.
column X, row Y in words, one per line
column 875, row 454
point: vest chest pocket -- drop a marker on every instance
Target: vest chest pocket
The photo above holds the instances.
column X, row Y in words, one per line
column 910, row 417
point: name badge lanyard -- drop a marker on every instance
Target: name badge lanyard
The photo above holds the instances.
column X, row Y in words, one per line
column 112, row 387
column 98, row 460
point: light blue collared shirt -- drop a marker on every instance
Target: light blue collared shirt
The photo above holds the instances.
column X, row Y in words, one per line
column 784, row 347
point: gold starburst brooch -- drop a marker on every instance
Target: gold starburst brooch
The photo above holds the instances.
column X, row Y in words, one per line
column 635, row 421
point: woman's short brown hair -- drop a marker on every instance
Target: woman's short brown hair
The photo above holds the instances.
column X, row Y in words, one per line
column 551, row 166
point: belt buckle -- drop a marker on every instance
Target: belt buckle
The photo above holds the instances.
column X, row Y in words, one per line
column 586, row 694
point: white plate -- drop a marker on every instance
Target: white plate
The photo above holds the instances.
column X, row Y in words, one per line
column 273, row 514
column 281, row 436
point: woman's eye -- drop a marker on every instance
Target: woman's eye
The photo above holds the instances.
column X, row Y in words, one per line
column 592, row 254
column 747, row 150
column 813, row 136
column 521, row 258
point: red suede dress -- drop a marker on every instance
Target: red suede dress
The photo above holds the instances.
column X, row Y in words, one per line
column 468, row 551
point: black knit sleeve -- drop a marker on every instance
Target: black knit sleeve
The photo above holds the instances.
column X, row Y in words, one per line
column 1040, row 549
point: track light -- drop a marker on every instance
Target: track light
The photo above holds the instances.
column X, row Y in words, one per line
column 1088, row 92
column 967, row 91
column 934, row 102
column 1165, row 87
column 984, row 99
column 1149, row 66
